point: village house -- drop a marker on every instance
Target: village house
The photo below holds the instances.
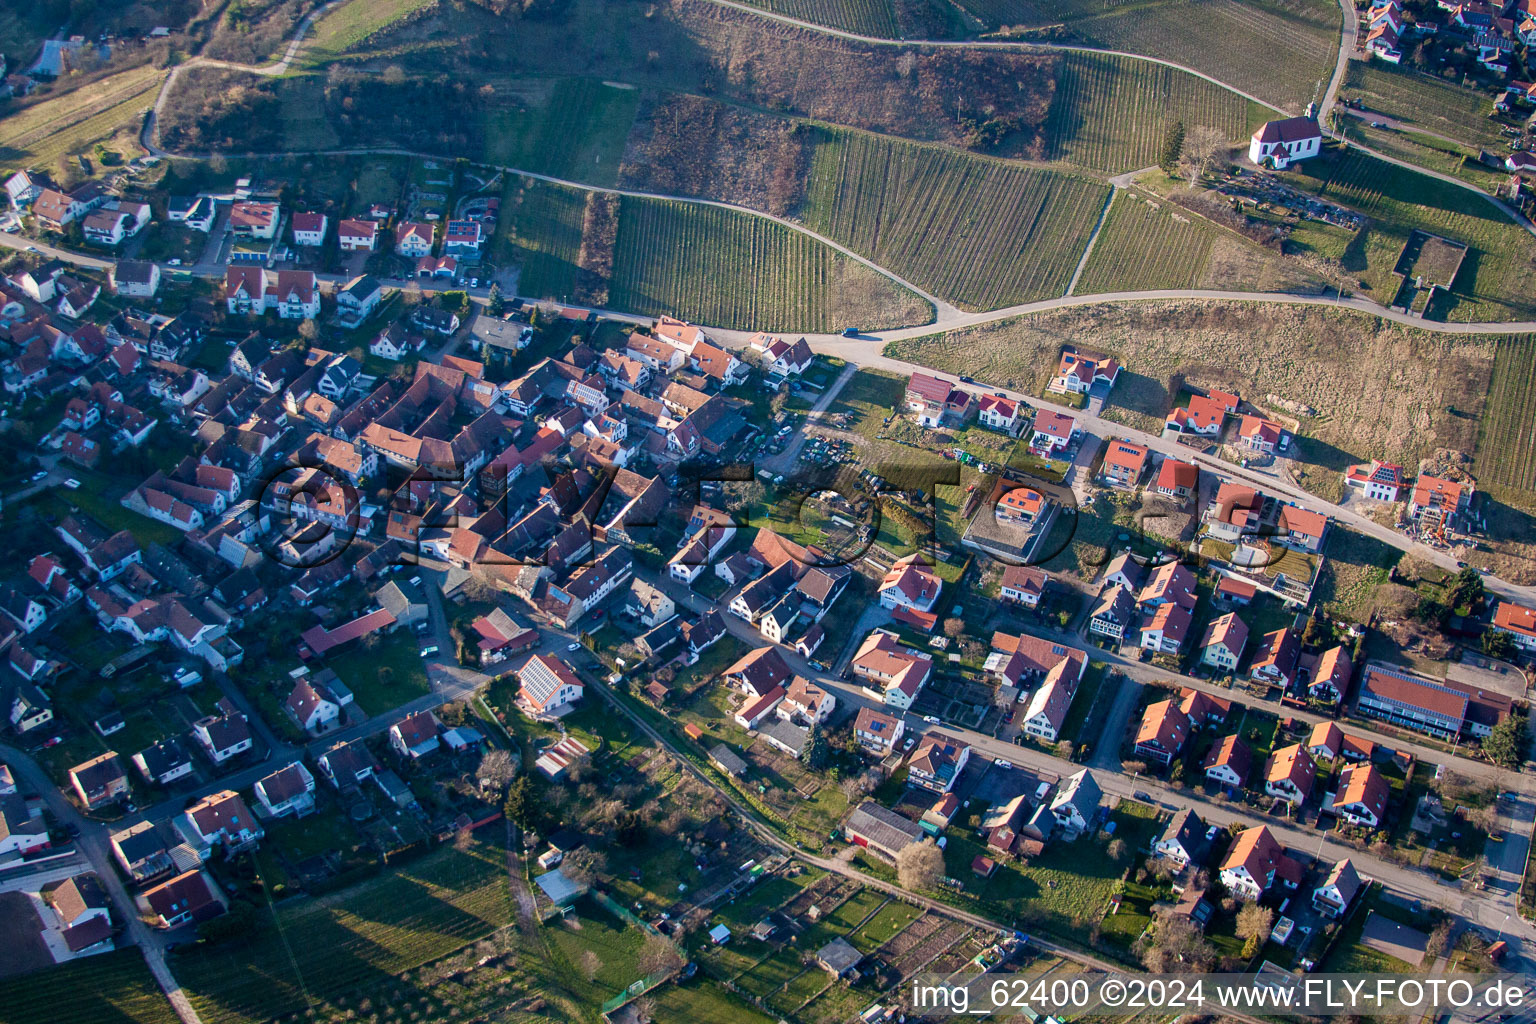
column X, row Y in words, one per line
column 891, row 672
column 1053, row 432
column 1228, row 762
column 1361, row 797
column 1252, row 864
column 1124, row 462
column 1078, row 372
column 937, row 762
column 1376, row 480
column 1222, row 644
column 1289, row 773
column 1338, row 890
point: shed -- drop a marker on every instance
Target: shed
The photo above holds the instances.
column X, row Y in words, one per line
column 838, row 957
column 719, row 935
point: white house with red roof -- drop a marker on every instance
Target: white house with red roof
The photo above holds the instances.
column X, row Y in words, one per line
column 1516, row 621
column 413, row 239
column 890, row 671
column 1261, row 435
column 1376, row 480
column 998, row 413
column 1078, row 372
column 1021, row 506
column 1176, row 479
column 910, row 583
column 255, row 220
column 1023, row 584
column 462, row 238
column 1202, row 415
column 933, row 399
column 1252, row 863
column 547, row 688
column 309, row 228
column 788, row 360
column 1283, row 142
column 1053, row 431
column 1362, row 795
column 357, row 235
column 292, row 294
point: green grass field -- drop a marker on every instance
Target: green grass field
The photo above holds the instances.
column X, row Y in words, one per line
column 1493, row 283
column 1434, row 105
column 113, row 988
column 572, row 128
column 350, row 25
column 540, row 228
column 1506, row 443
column 1281, row 51
column 731, row 269
column 362, row 937
column 1111, row 113
column 980, row 233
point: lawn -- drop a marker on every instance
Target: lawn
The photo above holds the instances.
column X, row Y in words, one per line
column 349, row 25
column 731, row 269
column 540, row 229
column 571, row 128
column 1111, row 113
column 361, row 937
column 362, row 668
column 1063, row 890
column 980, row 233
column 1349, row 956
column 113, row 988
column 616, row 945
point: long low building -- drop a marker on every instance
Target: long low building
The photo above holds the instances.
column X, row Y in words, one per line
column 880, row 829
column 1440, row 708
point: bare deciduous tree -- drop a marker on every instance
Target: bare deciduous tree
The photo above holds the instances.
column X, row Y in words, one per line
column 1254, row 920
column 659, row 955
column 1203, row 147
column 591, row 963
column 496, row 770
column 920, row 866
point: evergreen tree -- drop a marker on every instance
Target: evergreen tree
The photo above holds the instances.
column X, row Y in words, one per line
column 1173, row 146
column 816, row 750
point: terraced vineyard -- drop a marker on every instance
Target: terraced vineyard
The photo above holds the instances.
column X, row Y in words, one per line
column 730, row 269
column 1494, row 281
column 39, row 134
column 1506, row 444
column 540, row 228
column 865, row 17
column 1111, row 113
column 1452, row 110
column 1281, row 51
column 112, row 988
column 979, row 233
column 1143, row 246
column 382, row 927
column 1149, row 244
